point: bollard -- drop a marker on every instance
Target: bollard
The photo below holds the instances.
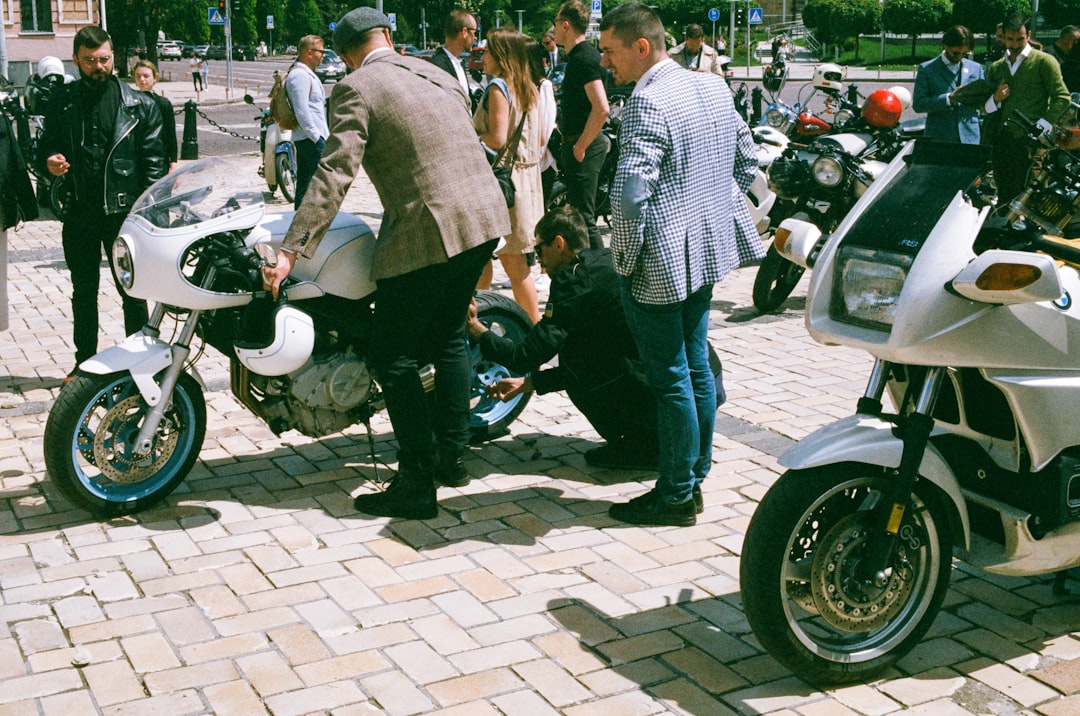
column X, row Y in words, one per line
column 190, row 147
column 755, row 101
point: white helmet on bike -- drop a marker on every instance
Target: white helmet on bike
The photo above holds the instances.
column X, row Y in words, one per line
column 903, row 94
column 50, row 65
column 278, row 344
column 829, row 77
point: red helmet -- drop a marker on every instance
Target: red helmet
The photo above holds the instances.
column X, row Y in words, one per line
column 882, row 109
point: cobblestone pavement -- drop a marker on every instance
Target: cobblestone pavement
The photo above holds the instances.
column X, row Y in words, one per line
column 257, row 588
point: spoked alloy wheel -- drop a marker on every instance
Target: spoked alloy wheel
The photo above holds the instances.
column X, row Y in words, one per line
column 490, row 417
column 286, row 176
column 89, row 440
column 775, row 280
column 799, row 587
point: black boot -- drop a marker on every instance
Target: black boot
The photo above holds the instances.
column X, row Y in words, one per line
column 410, row 496
column 450, row 468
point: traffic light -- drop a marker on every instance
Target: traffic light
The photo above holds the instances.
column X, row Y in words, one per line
column 235, row 7
column 740, row 16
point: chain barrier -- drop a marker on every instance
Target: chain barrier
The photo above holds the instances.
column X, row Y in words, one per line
column 218, row 126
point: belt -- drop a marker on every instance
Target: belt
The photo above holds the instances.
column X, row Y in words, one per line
column 570, row 138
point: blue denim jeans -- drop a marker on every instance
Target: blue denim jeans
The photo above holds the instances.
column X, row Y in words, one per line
column 672, row 339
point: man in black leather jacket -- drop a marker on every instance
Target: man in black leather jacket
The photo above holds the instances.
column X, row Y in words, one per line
column 105, row 138
column 584, row 324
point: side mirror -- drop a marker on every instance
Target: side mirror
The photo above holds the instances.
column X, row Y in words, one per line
column 249, row 99
column 1010, row 277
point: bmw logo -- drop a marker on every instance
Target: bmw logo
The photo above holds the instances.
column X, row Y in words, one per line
column 1065, row 302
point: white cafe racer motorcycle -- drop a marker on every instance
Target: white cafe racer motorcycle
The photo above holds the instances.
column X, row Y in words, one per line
column 971, row 317
column 127, row 430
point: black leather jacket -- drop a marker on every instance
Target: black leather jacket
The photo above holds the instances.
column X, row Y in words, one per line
column 17, row 200
column 136, row 158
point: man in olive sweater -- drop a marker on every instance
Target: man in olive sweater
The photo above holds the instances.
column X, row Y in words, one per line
column 1028, row 82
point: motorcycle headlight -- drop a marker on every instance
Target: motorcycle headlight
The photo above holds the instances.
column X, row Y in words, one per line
column 828, row 171
column 123, row 261
column 842, row 117
column 867, row 287
column 776, row 118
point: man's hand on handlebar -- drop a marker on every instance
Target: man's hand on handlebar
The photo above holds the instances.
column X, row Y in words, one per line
column 273, row 275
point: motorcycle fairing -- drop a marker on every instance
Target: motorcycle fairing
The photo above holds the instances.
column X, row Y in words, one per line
column 141, row 355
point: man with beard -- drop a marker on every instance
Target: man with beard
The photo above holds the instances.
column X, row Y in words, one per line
column 106, row 139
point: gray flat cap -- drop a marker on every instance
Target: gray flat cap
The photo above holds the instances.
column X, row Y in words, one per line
column 356, row 23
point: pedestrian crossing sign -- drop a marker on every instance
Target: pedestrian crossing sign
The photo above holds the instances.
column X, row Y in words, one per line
column 755, row 16
column 214, row 16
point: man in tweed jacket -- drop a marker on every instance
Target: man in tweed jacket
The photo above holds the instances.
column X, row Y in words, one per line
column 407, row 122
column 1029, row 82
column 683, row 152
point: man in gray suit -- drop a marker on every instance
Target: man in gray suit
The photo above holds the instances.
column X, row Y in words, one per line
column 407, row 123
column 672, row 238
column 937, row 79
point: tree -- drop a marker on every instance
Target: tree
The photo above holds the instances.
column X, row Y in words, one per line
column 836, row 20
column 302, row 17
column 1059, row 13
column 982, row 16
column 914, row 17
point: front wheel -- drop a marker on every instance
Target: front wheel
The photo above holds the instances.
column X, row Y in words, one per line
column 286, row 176
column 489, row 417
column 798, row 573
column 89, row 440
column 775, row 280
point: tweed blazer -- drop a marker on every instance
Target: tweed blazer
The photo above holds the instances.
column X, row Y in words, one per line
column 407, row 123
column 1037, row 89
column 708, row 62
column 945, row 122
column 684, row 151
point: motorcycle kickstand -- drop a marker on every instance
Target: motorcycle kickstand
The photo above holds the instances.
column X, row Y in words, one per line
column 915, row 432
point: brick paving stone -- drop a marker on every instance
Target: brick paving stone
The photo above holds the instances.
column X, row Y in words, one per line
column 1067, row 706
column 149, row 652
column 180, row 703
column 444, row 635
column 624, row 677
column 523, row 702
column 628, row 704
column 396, row 694
column 255, row 621
column 928, row 686
column 864, row 699
column 113, row 682
column 223, row 648
column 299, row 644
column 933, row 653
column 186, row 626
column 482, row 685
column 285, row 597
column 100, row 631
column 684, row 696
column 1019, row 687
column 422, row 663
column 234, row 698
column 374, row 637
column 71, row 703
column 704, row 670
column 268, row 673
column 316, row 698
column 490, row 657
column 217, row 601
column 37, row 635
column 341, row 668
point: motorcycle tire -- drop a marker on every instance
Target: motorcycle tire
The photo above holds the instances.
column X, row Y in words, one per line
column 489, row 417
column 775, row 280
column 558, row 195
column 88, row 440
column 800, row 594
column 286, row 176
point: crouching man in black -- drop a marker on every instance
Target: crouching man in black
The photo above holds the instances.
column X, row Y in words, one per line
column 584, row 324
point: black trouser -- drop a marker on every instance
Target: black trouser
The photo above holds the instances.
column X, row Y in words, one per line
column 196, row 80
column 308, row 154
column 623, row 411
column 581, row 180
column 1011, row 163
column 420, row 319
column 86, row 231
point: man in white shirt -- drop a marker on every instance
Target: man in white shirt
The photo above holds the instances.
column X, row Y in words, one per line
column 308, row 100
column 460, row 33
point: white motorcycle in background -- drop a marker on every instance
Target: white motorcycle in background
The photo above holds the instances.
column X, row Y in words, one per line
column 278, row 155
column 971, row 317
column 128, row 428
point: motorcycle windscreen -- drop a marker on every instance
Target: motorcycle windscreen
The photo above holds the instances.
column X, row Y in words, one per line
column 196, row 193
column 919, row 193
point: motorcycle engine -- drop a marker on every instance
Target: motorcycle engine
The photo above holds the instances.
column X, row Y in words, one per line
column 322, row 397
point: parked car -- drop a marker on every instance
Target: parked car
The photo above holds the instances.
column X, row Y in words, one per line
column 187, row 50
column 243, row 52
column 170, row 51
column 216, row 52
column 476, row 63
column 200, row 50
column 332, row 67
column 407, row 49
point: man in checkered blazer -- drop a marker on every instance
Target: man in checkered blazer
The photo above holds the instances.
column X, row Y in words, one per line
column 683, row 152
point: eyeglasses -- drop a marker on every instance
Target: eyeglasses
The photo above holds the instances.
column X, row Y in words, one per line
column 94, row 61
column 320, row 51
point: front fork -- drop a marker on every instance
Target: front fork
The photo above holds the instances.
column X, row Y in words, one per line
column 181, row 349
column 914, row 431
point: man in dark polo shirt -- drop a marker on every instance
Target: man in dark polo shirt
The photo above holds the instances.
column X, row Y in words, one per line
column 582, row 113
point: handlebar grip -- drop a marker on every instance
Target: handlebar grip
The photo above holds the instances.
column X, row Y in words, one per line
column 1057, row 249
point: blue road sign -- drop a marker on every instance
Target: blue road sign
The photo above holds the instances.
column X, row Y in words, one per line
column 755, row 16
column 714, row 15
column 333, row 26
column 214, row 16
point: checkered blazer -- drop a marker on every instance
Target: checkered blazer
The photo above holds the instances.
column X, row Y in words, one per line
column 684, row 151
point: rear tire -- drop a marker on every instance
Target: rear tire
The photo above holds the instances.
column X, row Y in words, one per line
column 488, row 417
column 286, row 176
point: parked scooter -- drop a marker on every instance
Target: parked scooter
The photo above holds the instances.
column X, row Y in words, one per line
column 971, row 318
column 128, row 428
column 279, row 158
